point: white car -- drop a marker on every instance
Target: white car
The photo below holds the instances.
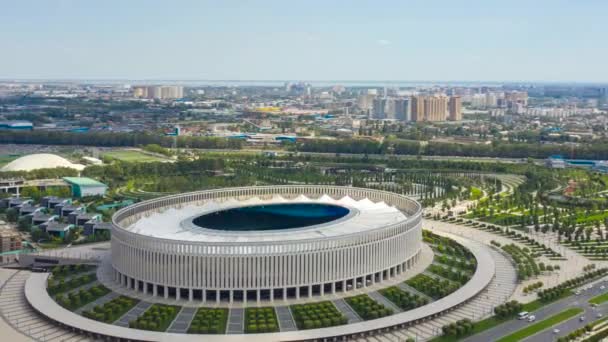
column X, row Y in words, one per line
column 582, row 318
column 556, row 331
column 602, row 287
column 531, row 318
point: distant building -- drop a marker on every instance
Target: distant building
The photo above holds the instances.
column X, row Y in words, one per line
column 10, row 241
column 379, row 109
column 366, row 102
column 555, row 162
column 429, row 108
column 455, row 108
column 399, row 109
column 83, row 186
column 158, row 92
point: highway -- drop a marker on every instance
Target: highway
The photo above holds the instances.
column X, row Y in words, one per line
column 565, row 327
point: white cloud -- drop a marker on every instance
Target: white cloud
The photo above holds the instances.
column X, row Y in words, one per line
column 384, row 42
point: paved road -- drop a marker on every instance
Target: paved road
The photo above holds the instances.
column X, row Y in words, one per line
column 549, row 310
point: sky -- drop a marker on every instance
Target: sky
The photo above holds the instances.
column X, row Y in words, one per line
column 408, row 40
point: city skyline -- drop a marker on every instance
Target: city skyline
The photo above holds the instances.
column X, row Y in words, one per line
column 547, row 41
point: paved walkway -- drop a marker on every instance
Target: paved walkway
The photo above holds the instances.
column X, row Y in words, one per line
column 132, row 314
column 405, row 287
column 236, row 321
column 99, row 301
column 286, row 321
column 182, row 320
column 384, row 301
column 347, row 311
column 18, row 315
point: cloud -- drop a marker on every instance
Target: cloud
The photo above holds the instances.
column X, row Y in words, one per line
column 384, row 42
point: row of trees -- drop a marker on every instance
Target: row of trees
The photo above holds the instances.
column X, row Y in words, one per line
column 508, row 309
column 113, row 139
column 459, row 328
column 496, row 149
column 555, row 292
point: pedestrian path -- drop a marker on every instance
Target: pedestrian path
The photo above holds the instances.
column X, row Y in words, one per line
column 347, row 311
column 15, row 310
column 132, row 314
column 182, row 320
column 99, row 301
column 286, row 321
column 375, row 295
column 236, row 321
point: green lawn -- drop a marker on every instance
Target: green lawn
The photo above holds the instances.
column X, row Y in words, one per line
column 132, row 156
column 599, row 299
column 542, row 325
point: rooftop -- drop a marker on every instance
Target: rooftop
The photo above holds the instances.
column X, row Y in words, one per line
column 83, row 181
column 176, row 224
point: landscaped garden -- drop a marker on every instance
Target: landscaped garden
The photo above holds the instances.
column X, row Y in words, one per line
column 157, row 318
column 404, row 300
column 70, row 270
column 56, row 285
column 317, row 315
column 367, row 308
column 112, row 310
column 260, row 320
column 209, row 321
column 74, row 300
column 432, row 287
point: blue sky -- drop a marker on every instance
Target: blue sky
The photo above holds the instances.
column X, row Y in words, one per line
column 486, row 40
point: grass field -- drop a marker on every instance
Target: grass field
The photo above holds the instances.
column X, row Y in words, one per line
column 542, row 325
column 599, row 299
column 132, row 156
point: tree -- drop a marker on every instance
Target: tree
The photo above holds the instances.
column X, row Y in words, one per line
column 12, row 215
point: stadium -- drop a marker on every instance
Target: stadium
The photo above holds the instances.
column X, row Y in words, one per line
column 264, row 243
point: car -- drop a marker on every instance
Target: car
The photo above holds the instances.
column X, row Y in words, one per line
column 556, row 331
column 594, row 305
column 599, row 315
column 582, row 318
column 523, row 315
column 531, row 318
column 602, row 287
column 577, row 292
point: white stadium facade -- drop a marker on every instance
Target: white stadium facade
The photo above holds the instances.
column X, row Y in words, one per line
column 158, row 248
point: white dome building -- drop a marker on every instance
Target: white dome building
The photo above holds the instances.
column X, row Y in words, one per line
column 40, row 161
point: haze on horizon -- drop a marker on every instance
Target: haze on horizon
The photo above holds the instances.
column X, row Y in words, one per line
column 518, row 40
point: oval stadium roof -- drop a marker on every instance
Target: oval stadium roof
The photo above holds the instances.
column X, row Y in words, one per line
column 40, row 161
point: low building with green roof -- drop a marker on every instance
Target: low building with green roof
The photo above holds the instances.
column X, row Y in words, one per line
column 84, row 186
